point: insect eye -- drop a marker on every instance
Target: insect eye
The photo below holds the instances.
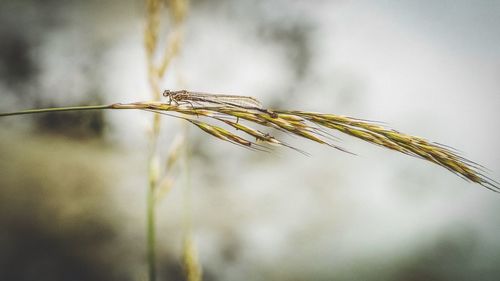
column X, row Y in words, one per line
column 166, row 93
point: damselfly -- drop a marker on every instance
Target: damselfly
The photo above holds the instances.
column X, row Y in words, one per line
column 244, row 102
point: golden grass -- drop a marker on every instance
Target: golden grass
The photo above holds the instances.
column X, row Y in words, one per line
column 313, row 126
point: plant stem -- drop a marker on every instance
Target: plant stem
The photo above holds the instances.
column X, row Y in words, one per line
column 56, row 109
column 151, row 207
column 151, row 236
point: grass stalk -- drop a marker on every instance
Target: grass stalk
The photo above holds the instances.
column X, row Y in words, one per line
column 156, row 73
column 192, row 267
column 57, row 109
column 309, row 125
column 151, row 233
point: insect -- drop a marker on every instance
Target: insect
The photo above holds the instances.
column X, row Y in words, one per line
column 244, row 102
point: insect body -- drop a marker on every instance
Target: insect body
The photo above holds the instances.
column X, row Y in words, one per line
column 244, row 102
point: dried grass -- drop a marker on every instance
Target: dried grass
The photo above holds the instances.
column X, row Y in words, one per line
column 313, row 126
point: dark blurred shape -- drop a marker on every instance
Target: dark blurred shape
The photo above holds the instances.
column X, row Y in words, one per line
column 455, row 255
column 31, row 251
column 56, row 222
column 59, row 219
column 294, row 37
column 16, row 65
column 22, row 26
column 170, row 269
column 76, row 124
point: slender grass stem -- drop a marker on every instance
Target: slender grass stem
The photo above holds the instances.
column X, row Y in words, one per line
column 56, row 109
column 151, row 199
column 151, row 232
column 151, row 207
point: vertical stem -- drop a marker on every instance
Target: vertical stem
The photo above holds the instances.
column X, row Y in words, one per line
column 151, row 206
column 151, row 40
column 192, row 266
column 156, row 74
column 151, row 201
column 151, row 232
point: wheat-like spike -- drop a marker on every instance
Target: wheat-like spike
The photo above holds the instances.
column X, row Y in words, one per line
column 299, row 128
column 152, row 26
column 178, row 10
column 304, row 124
column 174, row 152
column 213, row 130
column 225, row 135
column 260, row 136
column 216, row 131
column 407, row 144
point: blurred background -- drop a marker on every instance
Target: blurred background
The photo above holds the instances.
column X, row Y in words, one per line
column 73, row 185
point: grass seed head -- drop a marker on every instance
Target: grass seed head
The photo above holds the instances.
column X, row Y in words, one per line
column 309, row 125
